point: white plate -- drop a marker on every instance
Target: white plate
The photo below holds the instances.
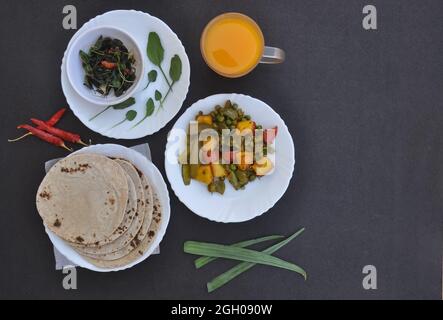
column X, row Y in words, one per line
column 155, row 177
column 138, row 25
column 258, row 196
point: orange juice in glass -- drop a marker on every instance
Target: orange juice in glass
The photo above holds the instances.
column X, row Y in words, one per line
column 232, row 44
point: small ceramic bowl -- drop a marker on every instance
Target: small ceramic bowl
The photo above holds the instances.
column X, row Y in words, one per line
column 76, row 73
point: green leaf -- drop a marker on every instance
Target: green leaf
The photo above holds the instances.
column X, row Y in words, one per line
column 234, row 272
column 202, row 261
column 240, row 254
column 84, row 57
column 125, row 104
column 155, row 49
column 156, row 53
column 88, row 69
column 175, row 70
column 150, row 107
column 131, row 115
column 121, row 66
column 99, row 42
column 158, row 95
column 119, row 106
column 116, row 83
column 152, row 76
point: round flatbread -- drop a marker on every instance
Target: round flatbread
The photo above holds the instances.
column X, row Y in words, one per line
column 138, row 249
column 138, row 211
column 140, row 234
column 82, row 199
column 149, row 199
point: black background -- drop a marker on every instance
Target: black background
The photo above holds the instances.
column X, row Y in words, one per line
column 365, row 109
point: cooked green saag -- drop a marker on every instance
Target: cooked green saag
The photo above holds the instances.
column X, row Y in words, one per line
column 108, row 66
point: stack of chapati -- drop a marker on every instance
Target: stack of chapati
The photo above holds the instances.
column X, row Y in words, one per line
column 106, row 209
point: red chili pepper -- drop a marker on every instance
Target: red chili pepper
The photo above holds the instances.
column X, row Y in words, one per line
column 51, row 122
column 108, row 64
column 56, row 141
column 56, row 117
column 65, row 135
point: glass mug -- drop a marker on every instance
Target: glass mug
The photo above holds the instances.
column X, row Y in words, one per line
column 232, row 44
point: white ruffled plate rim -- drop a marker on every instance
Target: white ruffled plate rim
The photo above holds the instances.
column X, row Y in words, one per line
column 77, row 112
column 231, row 218
column 115, row 150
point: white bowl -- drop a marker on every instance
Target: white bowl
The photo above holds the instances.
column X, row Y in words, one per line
column 76, row 73
column 258, row 196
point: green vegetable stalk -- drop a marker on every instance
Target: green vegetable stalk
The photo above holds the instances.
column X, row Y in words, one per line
column 236, row 251
column 202, row 261
column 241, row 254
column 119, row 106
column 234, row 272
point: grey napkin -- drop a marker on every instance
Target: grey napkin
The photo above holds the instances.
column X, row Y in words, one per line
column 60, row 260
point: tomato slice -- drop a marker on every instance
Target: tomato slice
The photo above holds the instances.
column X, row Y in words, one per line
column 269, row 135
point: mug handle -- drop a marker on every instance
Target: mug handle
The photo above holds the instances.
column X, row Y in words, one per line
column 272, row 55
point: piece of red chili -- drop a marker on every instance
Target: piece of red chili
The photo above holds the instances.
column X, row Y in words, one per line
column 65, row 135
column 56, row 141
column 56, row 117
column 108, row 65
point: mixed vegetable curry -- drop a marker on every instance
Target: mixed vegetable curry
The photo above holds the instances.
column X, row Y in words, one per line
column 237, row 162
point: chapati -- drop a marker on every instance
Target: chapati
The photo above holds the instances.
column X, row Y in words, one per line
column 83, row 198
column 139, row 210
